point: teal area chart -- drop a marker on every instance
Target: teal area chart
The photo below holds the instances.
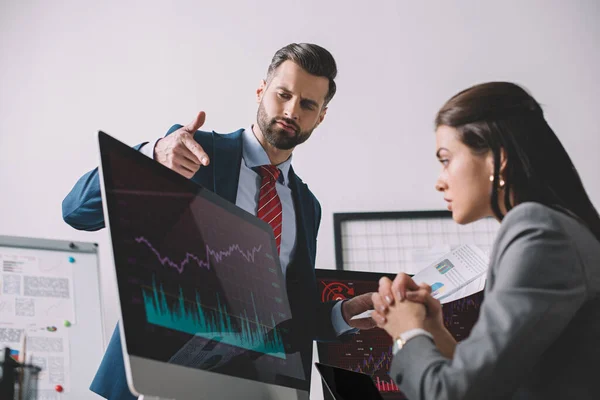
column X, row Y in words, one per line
column 214, row 324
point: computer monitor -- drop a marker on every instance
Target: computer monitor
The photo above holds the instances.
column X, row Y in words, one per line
column 204, row 309
column 370, row 351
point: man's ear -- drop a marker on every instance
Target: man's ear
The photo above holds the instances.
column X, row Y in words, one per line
column 262, row 86
column 321, row 116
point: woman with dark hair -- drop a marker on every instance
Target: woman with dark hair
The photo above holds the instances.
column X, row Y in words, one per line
column 538, row 333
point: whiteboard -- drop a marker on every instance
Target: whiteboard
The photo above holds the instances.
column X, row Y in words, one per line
column 66, row 285
column 404, row 241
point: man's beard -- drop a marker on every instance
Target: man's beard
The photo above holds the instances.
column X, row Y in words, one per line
column 277, row 136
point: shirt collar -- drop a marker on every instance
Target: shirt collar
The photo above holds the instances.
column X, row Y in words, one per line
column 254, row 154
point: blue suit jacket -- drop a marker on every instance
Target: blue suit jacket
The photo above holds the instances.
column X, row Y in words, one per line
column 82, row 209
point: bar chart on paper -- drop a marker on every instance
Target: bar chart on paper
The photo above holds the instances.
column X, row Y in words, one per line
column 404, row 241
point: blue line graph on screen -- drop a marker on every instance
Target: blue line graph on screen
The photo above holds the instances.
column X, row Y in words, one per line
column 217, row 324
column 218, row 255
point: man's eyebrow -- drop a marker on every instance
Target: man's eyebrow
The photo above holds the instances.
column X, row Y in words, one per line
column 311, row 102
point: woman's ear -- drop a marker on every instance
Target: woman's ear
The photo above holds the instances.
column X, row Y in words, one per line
column 502, row 161
column 490, row 162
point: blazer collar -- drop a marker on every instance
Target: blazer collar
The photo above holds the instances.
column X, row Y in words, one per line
column 226, row 161
column 304, row 213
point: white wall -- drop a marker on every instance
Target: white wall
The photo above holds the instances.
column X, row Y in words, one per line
column 69, row 68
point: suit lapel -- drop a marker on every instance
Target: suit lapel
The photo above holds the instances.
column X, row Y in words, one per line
column 226, row 164
column 304, row 216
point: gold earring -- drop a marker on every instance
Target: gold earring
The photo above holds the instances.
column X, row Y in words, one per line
column 502, row 183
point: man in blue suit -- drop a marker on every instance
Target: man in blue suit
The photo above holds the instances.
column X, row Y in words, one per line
column 292, row 103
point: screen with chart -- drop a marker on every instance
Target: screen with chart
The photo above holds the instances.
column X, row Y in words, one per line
column 370, row 351
column 199, row 279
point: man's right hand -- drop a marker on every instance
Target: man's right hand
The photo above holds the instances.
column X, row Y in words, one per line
column 180, row 152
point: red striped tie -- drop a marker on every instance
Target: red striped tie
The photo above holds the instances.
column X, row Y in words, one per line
column 269, row 205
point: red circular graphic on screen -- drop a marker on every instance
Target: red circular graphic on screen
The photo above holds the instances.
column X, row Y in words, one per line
column 336, row 291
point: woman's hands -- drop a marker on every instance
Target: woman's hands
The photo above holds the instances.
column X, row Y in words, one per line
column 402, row 305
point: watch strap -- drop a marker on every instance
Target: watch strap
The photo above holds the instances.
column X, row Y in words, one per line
column 404, row 337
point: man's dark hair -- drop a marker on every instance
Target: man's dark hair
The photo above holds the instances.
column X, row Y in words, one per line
column 312, row 58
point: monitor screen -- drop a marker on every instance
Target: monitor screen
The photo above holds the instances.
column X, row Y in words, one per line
column 370, row 351
column 347, row 385
column 199, row 279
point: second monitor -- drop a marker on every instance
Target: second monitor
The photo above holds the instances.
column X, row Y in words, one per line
column 370, row 351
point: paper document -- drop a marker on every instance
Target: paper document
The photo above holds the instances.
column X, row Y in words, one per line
column 34, row 290
column 471, row 288
column 419, row 257
column 47, row 347
column 362, row 315
column 454, row 271
column 457, row 274
column 49, row 350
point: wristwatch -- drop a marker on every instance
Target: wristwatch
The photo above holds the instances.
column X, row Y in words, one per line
column 404, row 337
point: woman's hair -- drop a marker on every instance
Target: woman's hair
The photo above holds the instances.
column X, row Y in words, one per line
column 498, row 116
